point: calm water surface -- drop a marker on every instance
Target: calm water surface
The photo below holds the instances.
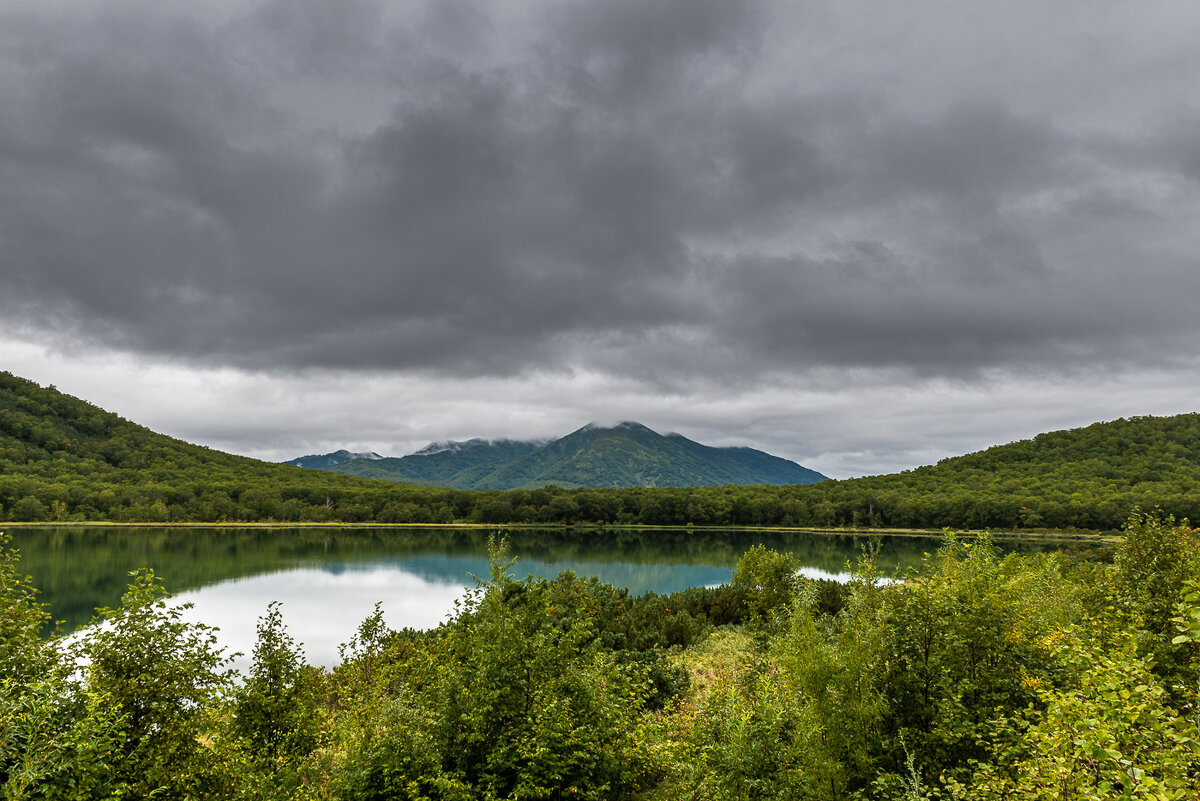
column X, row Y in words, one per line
column 329, row 580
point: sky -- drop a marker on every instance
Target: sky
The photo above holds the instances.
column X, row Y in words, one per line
column 864, row 236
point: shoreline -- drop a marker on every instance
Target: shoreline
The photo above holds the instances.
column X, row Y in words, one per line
column 1042, row 535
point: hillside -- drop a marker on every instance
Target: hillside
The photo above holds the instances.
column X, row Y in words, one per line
column 632, row 455
column 625, row 455
column 63, row 458
column 440, row 464
column 67, row 460
column 1089, row 477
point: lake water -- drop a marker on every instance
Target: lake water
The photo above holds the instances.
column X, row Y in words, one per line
column 329, row 579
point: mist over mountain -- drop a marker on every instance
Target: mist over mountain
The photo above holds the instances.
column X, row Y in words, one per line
column 326, row 460
column 439, row 463
column 627, row 454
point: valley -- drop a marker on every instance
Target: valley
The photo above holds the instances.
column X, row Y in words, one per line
column 65, row 460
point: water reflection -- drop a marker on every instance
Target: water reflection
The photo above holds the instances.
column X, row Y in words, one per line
column 329, row 580
column 320, row 607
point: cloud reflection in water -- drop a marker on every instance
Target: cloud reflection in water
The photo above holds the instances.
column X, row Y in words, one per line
column 321, row 608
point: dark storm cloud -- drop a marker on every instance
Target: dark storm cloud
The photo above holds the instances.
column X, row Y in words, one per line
column 656, row 188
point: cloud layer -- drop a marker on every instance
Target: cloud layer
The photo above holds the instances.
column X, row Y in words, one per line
column 685, row 194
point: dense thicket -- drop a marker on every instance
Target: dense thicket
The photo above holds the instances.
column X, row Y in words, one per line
column 979, row 676
column 63, row 459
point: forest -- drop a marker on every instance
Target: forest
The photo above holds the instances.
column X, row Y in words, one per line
column 975, row 675
column 62, row 459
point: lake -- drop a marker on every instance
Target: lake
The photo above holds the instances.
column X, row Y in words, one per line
column 329, row 579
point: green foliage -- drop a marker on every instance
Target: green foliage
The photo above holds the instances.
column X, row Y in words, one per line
column 1109, row 733
column 1156, row 561
column 275, row 709
column 515, row 699
column 835, row 663
column 23, row 654
column 29, row 509
column 966, row 636
column 40, row 746
column 1187, row 615
column 161, row 674
column 57, row 739
column 769, row 579
column 978, row 676
column 796, row 721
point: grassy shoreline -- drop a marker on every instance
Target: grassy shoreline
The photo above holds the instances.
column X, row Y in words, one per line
column 1043, row 535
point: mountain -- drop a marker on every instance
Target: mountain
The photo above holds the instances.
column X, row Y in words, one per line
column 625, row 455
column 327, row 460
column 439, row 463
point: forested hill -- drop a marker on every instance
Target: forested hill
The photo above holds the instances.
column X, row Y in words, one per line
column 625, row 455
column 1090, row 477
column 61, row 457
column 64, row 459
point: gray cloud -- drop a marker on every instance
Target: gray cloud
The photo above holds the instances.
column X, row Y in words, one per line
column 662, row 190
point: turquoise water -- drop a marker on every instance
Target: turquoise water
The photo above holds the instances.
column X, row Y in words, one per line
column 329, row 579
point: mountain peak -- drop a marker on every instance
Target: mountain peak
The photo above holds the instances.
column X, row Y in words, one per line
column 624, row 454
column 473, row 444
column 449, row 445
column 626, row 425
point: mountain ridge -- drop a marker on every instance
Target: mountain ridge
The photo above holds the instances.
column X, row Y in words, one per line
column 321, row 461
column 593, row 456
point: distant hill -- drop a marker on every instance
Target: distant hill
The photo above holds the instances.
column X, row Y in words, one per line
column 327, row 460
column 443, row 464
column 625, row 455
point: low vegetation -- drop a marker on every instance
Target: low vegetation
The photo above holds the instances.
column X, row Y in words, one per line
column 977, row 676
column 62, row 459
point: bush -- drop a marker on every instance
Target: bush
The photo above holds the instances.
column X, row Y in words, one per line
column 275, row 710
column 516, row 698
column 769, row 579
column 1109, row 733
column 1153, row 564
column 163, row 676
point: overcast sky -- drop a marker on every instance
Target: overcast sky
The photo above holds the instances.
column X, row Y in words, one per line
column 860, row 235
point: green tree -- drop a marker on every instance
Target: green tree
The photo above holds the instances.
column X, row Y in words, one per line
column 769, row 579
column 515, row 699
column 967, row 635
column 30, row 509
column 1111, row 732
column 1154, row 563
column 275, row 710
column 57, row 739
column 163, row 676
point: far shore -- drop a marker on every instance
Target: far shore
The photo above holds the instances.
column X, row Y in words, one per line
column 1065, row 535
